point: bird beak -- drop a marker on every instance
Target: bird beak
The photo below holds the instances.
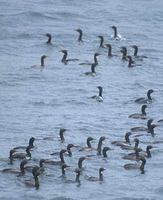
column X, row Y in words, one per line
column 77, row 146
column 87, row 158
column 67, row 167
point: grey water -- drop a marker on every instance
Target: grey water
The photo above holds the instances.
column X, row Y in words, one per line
column 38, row 103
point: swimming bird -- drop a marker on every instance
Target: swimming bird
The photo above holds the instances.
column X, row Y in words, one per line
column 135, row 47
column 61, row 131
column 30, row 144
column 133, row 156
column 105, row 149
column 130, row 62
column 69, row 146
column 93, row 72
column 30, row 183
column 109, row 47
column 141, row 128
column 63, row 168
column 14, row 155
column 124, row 53
column 80, row 38
column 89, row 146
column 80, row 162
column 29, row 168
column 129, row 147
column 57, row 162
column 100, row 178
column 99, row 97
column 90, row 63
column 61, row 135
column 138, row 154
column 99, row 146
column 147, row 153
column 131, row 166
column 49, row 39
column 64, row 58
column 140, row 115
column 123, row 143
column 77, row 178
column 144, row 100
column 151, row 130
column 116, row 36
column 16, row 171
column 101, row 41
column 42, row 62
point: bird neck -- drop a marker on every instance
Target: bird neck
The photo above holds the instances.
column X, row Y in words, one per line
column 63, row 171
column 127, row 138
column 64, row 57
column 101, row 41
column 109, row 51
column 49, row 39
column 149, row 124
column 104, row 153
column 93, row 69
column 80, row 37
column 28, row 153
column 130, row 61
column 136, row 144
column 22, row 164
column 99, row 148
column 42, row 61
column 41, row 164
column 89, row 144
column 69, row 152
column 37, row 184
column 80, row 164
column 61, row 136
column 100, row 92
column 77, row 178
column 115, row 32
column 62, row 158
column 101, row 178
column 149, row 96
column 148, row 152
column 95, row 59
column 142, row 166
column 135, row 51
column 143, row 110
column 151, row 131
column 124, row 54
column 31, row 141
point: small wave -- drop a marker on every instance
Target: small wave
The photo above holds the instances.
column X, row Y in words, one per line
column 5, row 83
column 29, row 14
column 61, row 198
column 52, row 103
column 131, row 198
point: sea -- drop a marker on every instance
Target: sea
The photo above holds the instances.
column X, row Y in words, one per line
column 38, row 101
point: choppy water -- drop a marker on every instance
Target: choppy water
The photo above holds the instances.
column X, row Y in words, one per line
column 37, row 103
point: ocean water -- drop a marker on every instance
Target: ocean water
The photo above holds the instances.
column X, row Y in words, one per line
column 38, row 103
